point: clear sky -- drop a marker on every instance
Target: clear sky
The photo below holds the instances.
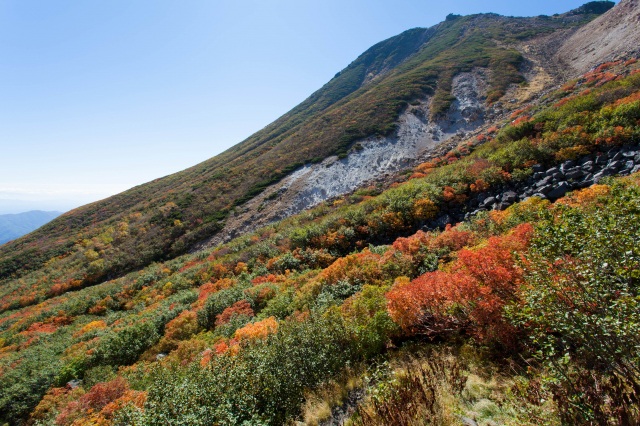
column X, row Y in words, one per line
column 99, row 96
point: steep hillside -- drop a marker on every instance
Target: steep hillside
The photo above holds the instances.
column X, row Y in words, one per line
column 174, row 214
column 376, row 306
column 611, row 36
column 13, row 226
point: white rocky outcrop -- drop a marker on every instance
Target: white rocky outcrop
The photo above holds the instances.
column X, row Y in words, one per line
column 369, row 159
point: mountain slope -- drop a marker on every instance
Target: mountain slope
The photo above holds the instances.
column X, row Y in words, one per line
column 248, row 330
column 168, row 216
column 244, row 332
column 13, row 226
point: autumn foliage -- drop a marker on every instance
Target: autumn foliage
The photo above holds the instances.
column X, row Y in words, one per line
column 467, row 298
column 239, row 308
column 257, row 330
column 98, row 405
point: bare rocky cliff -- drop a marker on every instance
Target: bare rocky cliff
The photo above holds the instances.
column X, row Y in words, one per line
column 369, row 158
column 613, row 35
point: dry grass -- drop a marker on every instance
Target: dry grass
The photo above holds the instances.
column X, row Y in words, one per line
column 421, row 391
column 440, row 387
column 319, row 403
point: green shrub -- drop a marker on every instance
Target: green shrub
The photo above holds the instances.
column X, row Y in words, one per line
column 581, row 305
column 262, row 384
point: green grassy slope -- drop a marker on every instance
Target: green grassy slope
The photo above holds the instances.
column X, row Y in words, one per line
column 164, row 218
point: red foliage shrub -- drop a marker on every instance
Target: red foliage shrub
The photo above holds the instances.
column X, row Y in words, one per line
column 478, row 166
column 97, row 398
column 520, row 120
column 469, row 298
column 205, row 290
column 516, row 113
column 239, row 308
column 411, row 245
column 452, row 239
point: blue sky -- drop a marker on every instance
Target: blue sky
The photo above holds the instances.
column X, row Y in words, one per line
column 99, row 96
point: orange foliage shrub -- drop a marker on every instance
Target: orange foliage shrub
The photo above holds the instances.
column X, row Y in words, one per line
column 424, row 209
column 54, row 400
column 182, row 327
column 240, row 268
column 627, row 100
column 411, row 245
column 615, row 136
column 479, row 186
column 261, row 293
column 499, row 216
column 448, row 193
column 41, row 327
column 427, row 167
column 363, row 266
column 257, row 330
column 585, row 196
column 130, row 397
column 208, row 354
column 93, row 325
column 564, row 101
column 211, row 287
column 450, row 196
column 469, row 298
column 270, row 278
column 571, row 153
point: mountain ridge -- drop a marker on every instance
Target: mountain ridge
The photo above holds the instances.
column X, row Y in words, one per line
column 181, row 210
column 15, row 225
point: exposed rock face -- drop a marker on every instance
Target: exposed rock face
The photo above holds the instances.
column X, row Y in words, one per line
column 369, row 159
column 551, row 183
column 610, row 36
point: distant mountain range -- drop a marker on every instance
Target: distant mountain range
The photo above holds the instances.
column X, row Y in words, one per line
column 13, row 226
